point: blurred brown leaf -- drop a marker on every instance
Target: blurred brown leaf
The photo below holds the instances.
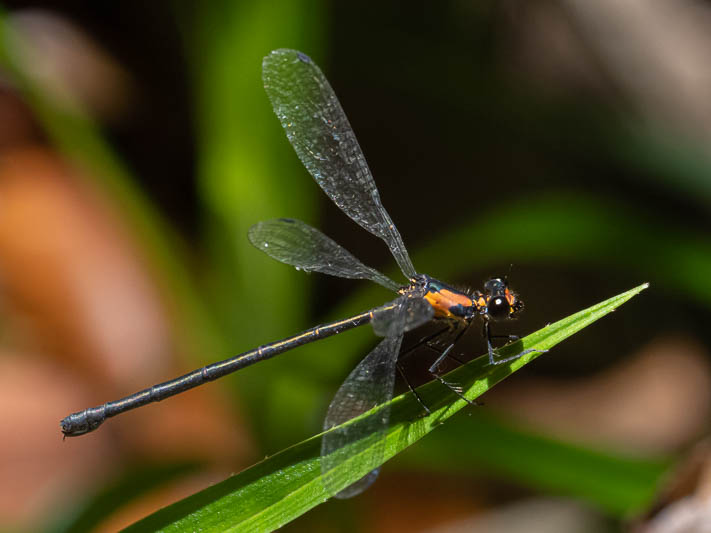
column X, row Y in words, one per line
column 70, row 269
column 86, row 324
column 653, row 402
column 684, row 502
column 69, row 65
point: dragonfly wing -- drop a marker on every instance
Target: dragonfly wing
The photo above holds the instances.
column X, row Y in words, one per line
column 296, row 243
column 319, row 131
column 370, row 384
column 403, row 314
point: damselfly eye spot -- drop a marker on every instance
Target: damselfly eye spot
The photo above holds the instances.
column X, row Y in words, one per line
column 498, row 308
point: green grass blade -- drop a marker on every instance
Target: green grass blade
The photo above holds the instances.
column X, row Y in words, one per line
column 286, row 485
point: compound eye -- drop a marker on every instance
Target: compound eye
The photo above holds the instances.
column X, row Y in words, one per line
column 498, row 308
column 495, row 285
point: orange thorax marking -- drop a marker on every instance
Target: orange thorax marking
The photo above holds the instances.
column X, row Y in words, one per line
column 444, row 299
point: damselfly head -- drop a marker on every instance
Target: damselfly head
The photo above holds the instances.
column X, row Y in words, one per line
column 501, row 302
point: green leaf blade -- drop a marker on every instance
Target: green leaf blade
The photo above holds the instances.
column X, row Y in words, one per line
column 286, row 485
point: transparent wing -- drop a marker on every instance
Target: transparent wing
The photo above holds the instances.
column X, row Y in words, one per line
column 404, row 314
column 296, row 243
column 370, row 384
column 323, row 139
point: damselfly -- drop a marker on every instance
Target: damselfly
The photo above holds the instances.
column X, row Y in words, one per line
column 319, row 132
